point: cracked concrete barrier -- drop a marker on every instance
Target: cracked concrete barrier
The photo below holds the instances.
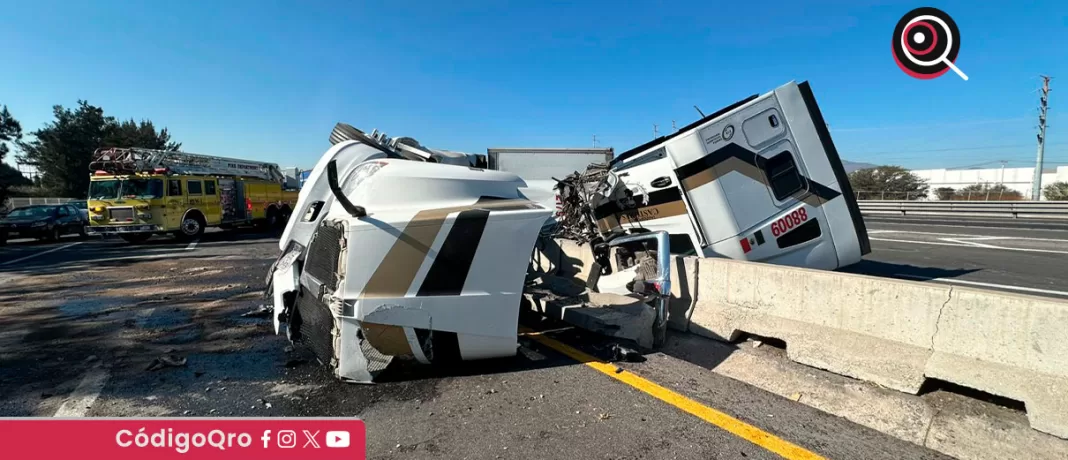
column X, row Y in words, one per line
column 896, row 333
column 1010, row 345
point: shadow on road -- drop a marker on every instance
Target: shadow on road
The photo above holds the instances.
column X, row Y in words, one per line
column 903, row 271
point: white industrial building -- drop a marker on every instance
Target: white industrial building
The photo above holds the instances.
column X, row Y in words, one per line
column 1018, row 179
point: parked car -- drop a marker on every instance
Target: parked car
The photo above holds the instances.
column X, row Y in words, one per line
column 47, row 222
column 83, row 207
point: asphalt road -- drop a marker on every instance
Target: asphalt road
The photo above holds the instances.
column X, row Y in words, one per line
column 81, row 321
column 1022, row 260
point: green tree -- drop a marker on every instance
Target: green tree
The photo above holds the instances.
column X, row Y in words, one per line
column 1057, row 191
column 10, row 131
column 887, row 182
column 63, row 148
column 132, row 134
column 945, row 193
column 995, row 192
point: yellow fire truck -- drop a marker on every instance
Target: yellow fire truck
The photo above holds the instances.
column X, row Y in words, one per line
column 136, row 193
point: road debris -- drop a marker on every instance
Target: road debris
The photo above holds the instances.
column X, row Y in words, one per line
column 621, row 353
column 263, row 311
column 166, row 360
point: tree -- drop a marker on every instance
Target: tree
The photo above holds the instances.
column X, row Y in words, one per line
column 1057, row 191
column 990, row 192
column 143, row 134
column 945, row 193
column 889, row 182
column 10, row 131
column 62, row 150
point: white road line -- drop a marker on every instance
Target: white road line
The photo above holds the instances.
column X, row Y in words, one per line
column 962, row 235
column 999, row 248
column 924, row 224
column 192, row 245
column 83, row 397
column 992, row 285
column 972, row 243
column 40, row 254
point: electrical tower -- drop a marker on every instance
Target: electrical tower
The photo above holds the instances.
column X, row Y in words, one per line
column 1036, row 181
column 656, row 134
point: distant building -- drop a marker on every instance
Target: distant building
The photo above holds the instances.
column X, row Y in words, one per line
column 1018, row 179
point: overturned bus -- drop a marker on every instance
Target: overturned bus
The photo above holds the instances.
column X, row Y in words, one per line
column 398, row 251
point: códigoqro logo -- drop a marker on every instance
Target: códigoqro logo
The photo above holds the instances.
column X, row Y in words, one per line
column 926, row 43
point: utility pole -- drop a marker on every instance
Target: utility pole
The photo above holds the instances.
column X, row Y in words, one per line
column 655, row 133
column 1036, row 181
column 595, row 140
column 1002, row 181
column 673, row 128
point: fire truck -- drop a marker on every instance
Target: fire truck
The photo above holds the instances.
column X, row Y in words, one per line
column 135, row 193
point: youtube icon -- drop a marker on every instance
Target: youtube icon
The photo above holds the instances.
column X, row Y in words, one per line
column 337, row 439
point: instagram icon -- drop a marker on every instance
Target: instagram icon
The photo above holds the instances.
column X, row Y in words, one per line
column 287, row 439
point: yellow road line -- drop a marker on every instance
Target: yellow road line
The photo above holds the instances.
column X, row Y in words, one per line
column 730, row 424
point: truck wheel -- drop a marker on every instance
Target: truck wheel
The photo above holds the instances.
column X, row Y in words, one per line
column 135, row 238
column 192, row 227
column 272, row 218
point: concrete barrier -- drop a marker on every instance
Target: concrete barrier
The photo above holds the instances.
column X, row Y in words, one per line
column 895, row 333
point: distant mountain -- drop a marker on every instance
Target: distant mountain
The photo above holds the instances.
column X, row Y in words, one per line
column 851, row 166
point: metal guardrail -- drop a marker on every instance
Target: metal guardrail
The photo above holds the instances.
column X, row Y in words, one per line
column 17, row 202
column 949, row 208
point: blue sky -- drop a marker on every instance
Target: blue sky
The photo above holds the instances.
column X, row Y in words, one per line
column 268, row 80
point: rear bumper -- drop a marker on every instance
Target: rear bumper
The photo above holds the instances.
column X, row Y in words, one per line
column 124, row 229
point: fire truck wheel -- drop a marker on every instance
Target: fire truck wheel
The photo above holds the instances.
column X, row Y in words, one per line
column 192, row 226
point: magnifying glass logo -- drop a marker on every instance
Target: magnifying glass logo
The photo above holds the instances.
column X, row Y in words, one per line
column 925, row 44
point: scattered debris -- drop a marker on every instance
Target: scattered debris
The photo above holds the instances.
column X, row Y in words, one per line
column 795, row 397
column 211, row 411
column 619, row 369
column 263, row 311
column 187, row 412
column 268, row 405
column 621, row 353
column 757, row 343
column 490, row 391
column 208, row 389
column 288, row 349
column 166, row 360
column 604, row 416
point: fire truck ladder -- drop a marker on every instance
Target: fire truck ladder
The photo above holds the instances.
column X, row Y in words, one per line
column 135, row 160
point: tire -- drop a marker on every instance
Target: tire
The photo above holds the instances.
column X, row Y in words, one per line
column 3, row 239
column 135, row 238
column 286, row 213
column 273, row 217
column 54, row 234
column 82, row 233
column 192, row 227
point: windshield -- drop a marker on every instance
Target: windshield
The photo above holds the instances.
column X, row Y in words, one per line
column 33, row 211
column 125, row 188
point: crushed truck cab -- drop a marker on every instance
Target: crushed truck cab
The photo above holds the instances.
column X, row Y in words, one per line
column 399, row 251
column 388, row 257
